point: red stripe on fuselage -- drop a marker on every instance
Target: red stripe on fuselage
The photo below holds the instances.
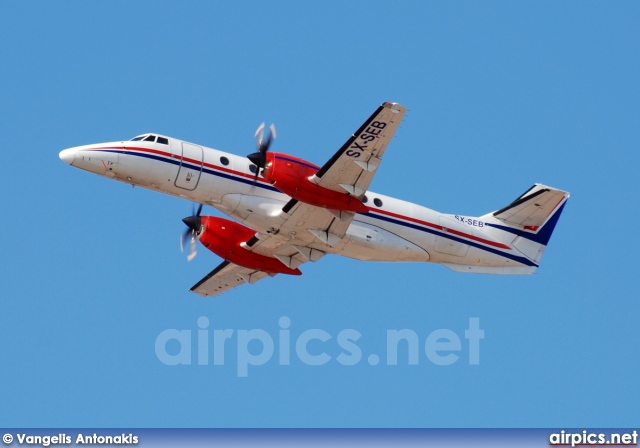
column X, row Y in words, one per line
column 179, row 158
column 441, row 228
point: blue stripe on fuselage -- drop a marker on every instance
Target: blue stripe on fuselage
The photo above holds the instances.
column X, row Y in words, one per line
column 521, row 260
column 196, row 167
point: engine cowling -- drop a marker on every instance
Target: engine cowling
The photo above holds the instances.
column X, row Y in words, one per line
column 291, row 175
column 225, row 238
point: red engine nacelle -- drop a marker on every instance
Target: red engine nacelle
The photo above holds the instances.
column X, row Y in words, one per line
column 224, row 238
column 291, row 174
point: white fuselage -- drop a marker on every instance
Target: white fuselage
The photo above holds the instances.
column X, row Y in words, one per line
column 392, row 229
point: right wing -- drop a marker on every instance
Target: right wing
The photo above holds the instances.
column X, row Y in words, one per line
column 351, row 169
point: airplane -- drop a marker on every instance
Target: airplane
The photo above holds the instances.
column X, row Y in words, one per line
column 287, row 211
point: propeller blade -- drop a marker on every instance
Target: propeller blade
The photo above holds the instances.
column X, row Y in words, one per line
column 259, row 159
column 192, row 249
column 183, row 238
column 194, row 224
column 262, row 143
column 259, row 131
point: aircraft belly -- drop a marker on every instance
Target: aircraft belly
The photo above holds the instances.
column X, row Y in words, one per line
column 474, row 257
column 368, row 242
column 258, row 212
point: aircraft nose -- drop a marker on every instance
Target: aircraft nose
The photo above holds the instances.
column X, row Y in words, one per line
column 68, row 155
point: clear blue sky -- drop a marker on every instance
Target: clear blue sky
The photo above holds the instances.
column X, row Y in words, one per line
column 500, row 95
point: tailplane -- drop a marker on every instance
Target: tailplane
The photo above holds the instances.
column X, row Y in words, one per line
column 528, row 222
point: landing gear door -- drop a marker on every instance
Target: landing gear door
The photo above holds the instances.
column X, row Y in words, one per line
column 190, row 167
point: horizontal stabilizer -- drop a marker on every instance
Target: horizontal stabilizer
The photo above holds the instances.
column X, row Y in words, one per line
column 528, row 222
column 533, row 208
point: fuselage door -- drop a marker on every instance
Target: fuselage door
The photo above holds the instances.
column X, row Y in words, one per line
column 190, row 167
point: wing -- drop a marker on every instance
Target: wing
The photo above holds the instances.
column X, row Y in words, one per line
column 351, row 169
column 301, row 232
column 225, row 277
column 304, row 233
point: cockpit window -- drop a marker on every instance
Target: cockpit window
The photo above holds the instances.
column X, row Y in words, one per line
column 138, row 138
column 164, row 141
column 151, row 138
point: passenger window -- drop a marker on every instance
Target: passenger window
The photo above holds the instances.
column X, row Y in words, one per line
column 252, row 168
column 164, row 141
column 224, row 160
column 151, row 138
column 378, row 202
column 364, row 199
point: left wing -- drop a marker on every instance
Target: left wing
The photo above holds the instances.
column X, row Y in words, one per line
column 351, row 169
column 303, row 234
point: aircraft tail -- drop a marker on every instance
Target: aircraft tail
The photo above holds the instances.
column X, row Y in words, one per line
column 528, row 222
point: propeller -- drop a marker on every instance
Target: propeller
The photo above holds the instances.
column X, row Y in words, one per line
column 262, row 142
column 194, row 223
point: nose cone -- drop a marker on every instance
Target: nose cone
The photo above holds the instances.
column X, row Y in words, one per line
column 68, row 155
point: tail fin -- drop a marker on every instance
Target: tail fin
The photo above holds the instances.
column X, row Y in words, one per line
column 529, row 220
